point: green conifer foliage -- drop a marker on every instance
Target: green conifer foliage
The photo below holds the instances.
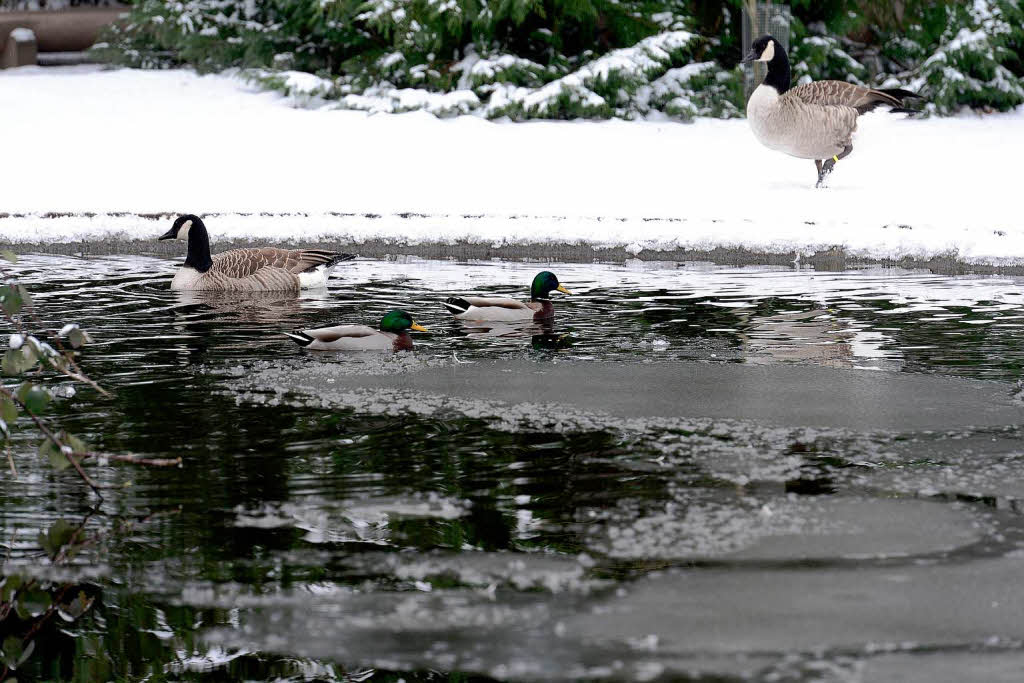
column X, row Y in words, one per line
column 978, row 60
column 525, row 59
column 818, row 58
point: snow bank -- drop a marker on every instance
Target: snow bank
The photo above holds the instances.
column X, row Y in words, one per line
column 141, row 142
column 643, row 237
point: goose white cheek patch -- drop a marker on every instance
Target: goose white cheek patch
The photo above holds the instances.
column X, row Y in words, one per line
column 769, row 52
column 183, row 231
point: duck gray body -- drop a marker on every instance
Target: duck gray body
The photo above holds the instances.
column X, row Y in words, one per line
column 392, row 335
column 351, row 338
column 811, row 121
column 500, row 309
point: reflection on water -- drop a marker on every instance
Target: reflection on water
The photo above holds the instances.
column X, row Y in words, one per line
column 821, row 338
column 873, row 319
column 310, row 541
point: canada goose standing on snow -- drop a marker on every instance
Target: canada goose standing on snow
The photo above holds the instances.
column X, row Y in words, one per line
column 393, row 335
column 265, row 269
column 811, row 121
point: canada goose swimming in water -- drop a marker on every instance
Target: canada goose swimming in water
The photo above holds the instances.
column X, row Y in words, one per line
column 393, row 335
column 811, row 121
column 265, row 269
column 499, row 309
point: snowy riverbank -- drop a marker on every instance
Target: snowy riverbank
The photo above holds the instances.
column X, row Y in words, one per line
column 92, row 143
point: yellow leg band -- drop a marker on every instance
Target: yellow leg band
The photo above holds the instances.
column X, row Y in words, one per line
column 835, row 158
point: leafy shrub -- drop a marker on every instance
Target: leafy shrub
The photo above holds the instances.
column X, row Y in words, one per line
column 35, row 356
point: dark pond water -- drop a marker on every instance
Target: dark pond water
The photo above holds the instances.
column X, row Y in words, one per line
column 436, row 516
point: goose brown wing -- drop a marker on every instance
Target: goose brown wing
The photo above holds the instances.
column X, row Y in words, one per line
column 263, row 280
column 839, row 93
column 242, row 262
column 245, row 262
column 302, row 260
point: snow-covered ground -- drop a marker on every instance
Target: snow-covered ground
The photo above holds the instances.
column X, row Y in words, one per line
column 83, row 140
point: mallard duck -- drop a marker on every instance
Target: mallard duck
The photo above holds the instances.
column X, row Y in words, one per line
column 393, row 335
column 811, row 121
column 500, row 309
column 264, row 269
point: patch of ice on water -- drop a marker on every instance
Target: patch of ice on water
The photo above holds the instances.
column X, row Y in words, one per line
column 705, row 524
column 730, row 450
column 360, row 521
column 205, row 660
column 701, row 528
column 522, row 571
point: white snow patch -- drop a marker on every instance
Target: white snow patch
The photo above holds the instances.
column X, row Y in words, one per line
column 173, row 141
column 401, row 100
column 300, row 82
column 23, row 35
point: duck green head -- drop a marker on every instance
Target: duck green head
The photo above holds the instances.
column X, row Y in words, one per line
column 398, row 322
column 544, row 284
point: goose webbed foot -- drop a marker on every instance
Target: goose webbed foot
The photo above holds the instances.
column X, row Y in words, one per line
column 824, row 170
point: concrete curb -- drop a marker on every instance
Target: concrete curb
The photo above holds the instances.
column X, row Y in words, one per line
column 129, row 233
column 832, row 260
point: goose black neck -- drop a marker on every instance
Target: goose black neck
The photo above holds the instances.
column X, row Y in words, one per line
column 779, row 74
column 198, row 248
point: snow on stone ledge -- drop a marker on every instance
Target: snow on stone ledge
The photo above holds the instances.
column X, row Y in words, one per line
column 534, row 233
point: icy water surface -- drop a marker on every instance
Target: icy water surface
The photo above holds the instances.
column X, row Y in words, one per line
column 693, row 473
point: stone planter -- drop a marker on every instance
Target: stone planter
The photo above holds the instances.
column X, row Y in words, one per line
column 69, row 30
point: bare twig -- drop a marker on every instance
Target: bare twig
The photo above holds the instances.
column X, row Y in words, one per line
column 50, row 611
column 61, row 555
column 79, row 376
column 10, row 551
column 152, row 462
column 10, row 461
column 56, row 441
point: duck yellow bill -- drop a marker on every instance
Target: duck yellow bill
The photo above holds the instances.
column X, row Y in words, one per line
column 419, row 328
column 563, row 290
